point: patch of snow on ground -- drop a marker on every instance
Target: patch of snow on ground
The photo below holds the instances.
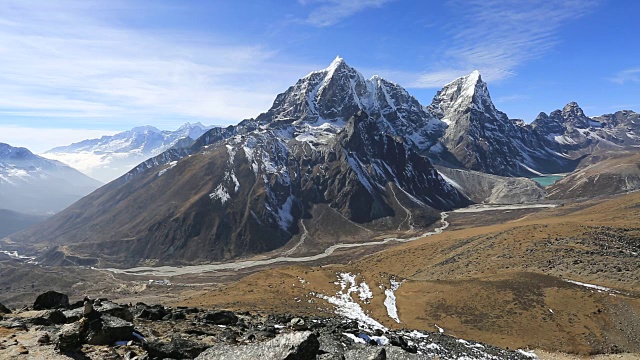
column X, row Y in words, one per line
column 380, row 340
column 171, row 166
column 529, row 354
column 220, row 193
column 232, row 153
column 594, row 287
column 357, row 340
column 390, row 301
column 345, row 306
column 364, row 292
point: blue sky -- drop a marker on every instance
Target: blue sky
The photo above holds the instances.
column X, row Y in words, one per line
column 72, row 69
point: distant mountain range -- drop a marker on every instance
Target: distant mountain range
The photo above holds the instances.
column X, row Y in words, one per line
column 34, row 185
column 111, row 156
column 333, row 146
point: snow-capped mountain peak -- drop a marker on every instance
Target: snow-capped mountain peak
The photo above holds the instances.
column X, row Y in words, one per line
column 111, row 156
column 320, row 104
column 461, row 94
column 32, row 184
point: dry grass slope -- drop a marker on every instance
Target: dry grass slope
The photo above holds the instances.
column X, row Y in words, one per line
column 502, row 284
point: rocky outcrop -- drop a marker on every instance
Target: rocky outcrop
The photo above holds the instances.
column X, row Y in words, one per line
column 4, row 309
column 247, row 335
column 300, row 346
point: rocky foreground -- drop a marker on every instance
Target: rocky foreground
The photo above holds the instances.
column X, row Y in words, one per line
column 53, row 328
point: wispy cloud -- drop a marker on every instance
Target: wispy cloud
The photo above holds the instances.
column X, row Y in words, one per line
column 496, row 36
column 330, row 12
column 510, row 98
column 629, row 75
column 64, row 60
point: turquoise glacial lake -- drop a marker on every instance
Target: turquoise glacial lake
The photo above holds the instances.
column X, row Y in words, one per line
column 547, row 180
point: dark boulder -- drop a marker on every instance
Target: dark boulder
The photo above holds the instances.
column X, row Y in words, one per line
column 107, row 330
column 221, row 317
column 115, row 310
column 49, row 317
column 178, row 315
column 154, row 313
column 69, row 337
column 4, row 309
column 51, row 300
column 73, row 315
column 294, row 346
column 177, row 348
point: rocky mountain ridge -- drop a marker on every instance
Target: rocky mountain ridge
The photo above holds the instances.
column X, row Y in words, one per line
column 571, row 132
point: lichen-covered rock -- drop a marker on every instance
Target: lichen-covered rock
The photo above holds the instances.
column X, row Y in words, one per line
column 221, row 317
column 293, row 346
column 69, row 338
column 107, row 330
column 177, row 348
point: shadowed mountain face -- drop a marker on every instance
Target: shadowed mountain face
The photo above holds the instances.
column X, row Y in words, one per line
column 244, row 195
column 484, row 139
column 11, row 221
column 35, row 185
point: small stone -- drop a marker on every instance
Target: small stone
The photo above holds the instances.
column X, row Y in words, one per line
column 298, row 324
column 222, row 317
column 88, row 308
column 44, row 339
column 4, row 309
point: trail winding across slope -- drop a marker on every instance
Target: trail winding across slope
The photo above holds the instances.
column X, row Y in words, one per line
column 168, row 271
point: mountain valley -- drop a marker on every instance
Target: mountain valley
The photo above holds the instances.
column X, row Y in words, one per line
column 363, row 147
column 348, row 200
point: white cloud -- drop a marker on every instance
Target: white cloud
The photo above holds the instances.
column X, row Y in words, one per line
column 331, row 12
column 38, row 139
column 629, row 75
column 62, row 60
column 496, row 36
column 510, row 98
